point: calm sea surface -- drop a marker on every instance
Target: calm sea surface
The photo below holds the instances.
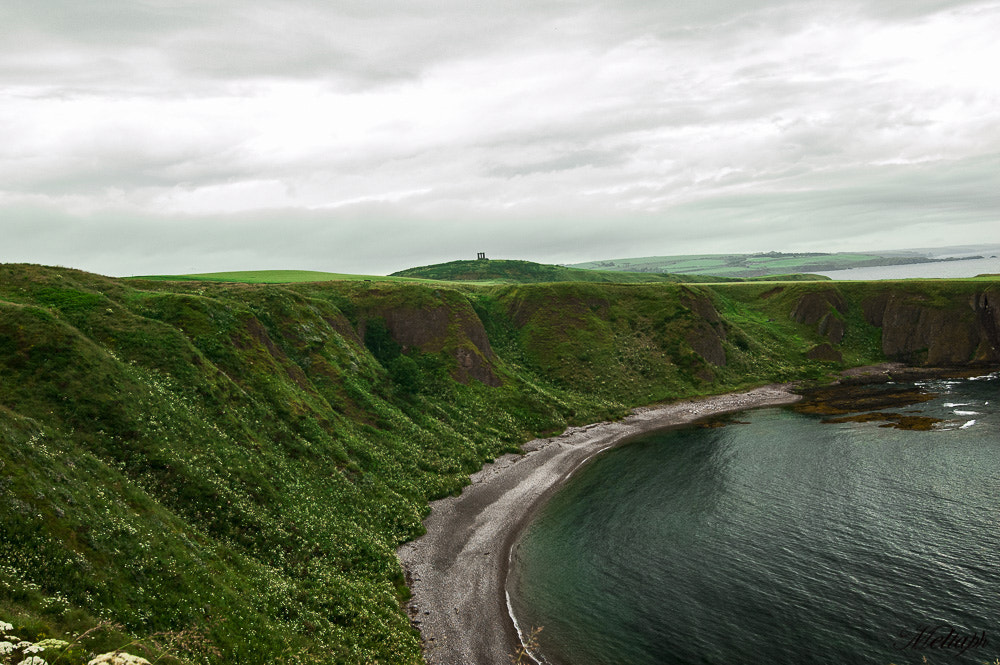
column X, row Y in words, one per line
column 940, row 270
column 777, row 539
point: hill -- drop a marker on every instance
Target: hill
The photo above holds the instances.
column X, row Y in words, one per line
column 271, row 277
column 525, row 272
column 240, row 461
column 478, row 272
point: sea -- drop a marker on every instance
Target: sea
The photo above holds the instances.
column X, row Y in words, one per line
column 772, row 536
column 935, row 270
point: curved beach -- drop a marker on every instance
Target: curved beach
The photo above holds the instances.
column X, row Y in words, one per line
column 457, row 571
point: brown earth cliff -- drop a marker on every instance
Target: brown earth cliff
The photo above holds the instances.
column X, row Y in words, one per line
column 920, row 332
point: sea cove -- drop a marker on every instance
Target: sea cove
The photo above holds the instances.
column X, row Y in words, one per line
column 776, row 537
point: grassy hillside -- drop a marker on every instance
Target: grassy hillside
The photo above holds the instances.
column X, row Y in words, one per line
column 522, row 272
column 750, row 265
column 242, row 460
column 271, row 277
column 478, row 272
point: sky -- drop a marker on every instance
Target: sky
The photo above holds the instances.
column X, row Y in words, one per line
column 179, row 136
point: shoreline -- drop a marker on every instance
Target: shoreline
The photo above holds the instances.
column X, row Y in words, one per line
column 457, row 571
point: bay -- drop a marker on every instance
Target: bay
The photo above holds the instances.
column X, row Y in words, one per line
column 779, row 539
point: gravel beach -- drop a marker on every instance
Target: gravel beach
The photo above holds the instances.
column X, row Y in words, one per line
column 457, row 571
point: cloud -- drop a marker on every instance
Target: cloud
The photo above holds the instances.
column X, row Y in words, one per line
column 904, row 203
column 395, row 133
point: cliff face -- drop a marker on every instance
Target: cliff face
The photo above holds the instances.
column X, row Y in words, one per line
column 454, row 330
column 617, row 339
column 708, row 332
column 958, row 331
column 825, row 310
column 927, row 324
column 272, row 445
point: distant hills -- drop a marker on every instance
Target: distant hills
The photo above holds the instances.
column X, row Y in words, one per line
column 512, row 271
column 774, row 263
column 688, row 268
column 270, row 277
column 482, row 271
column 523, row 272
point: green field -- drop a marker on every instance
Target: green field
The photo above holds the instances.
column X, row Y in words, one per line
column 274, row 277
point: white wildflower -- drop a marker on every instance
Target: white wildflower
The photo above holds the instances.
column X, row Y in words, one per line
column 32, row 660
column 118, row 658
column 6, row 648
column 34, row 648
column 6, row 627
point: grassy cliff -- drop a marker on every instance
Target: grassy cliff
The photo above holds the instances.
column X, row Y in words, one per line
column 244, row 459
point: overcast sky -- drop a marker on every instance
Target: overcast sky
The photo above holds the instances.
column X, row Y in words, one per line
column 366, row 136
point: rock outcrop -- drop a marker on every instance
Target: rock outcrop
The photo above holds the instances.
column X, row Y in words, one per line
column 709, row 332
column 825, row 310
column 452, row 327
column 824, row 353
column 917, row 330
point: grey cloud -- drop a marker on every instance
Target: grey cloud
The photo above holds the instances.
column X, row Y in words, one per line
column 373, row 238
column 657, row 128
column 352, row 41
column 891, row 203
column 563, row 160
column 306, row 37
column 895, row 9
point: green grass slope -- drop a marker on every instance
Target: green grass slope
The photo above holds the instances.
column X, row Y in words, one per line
column 244, row 459
column 271, row 277
column 520, row 272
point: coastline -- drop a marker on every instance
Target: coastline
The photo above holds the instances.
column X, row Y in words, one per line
column 457, row 571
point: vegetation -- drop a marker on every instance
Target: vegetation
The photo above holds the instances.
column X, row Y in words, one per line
column 241, row 461
column 80, row 649
column 790, row 277
column 476, row 272
column 524, row 272
column 523, row 652
column 751, row 265
column 273, row 277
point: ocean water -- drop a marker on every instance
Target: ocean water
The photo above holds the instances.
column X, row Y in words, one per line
column 777, row 539
column 939, row 270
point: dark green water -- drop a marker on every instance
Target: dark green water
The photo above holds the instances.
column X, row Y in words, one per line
column 783, row 540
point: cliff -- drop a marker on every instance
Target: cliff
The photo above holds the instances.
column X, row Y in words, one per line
column 918, row 328
column 246, row 458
